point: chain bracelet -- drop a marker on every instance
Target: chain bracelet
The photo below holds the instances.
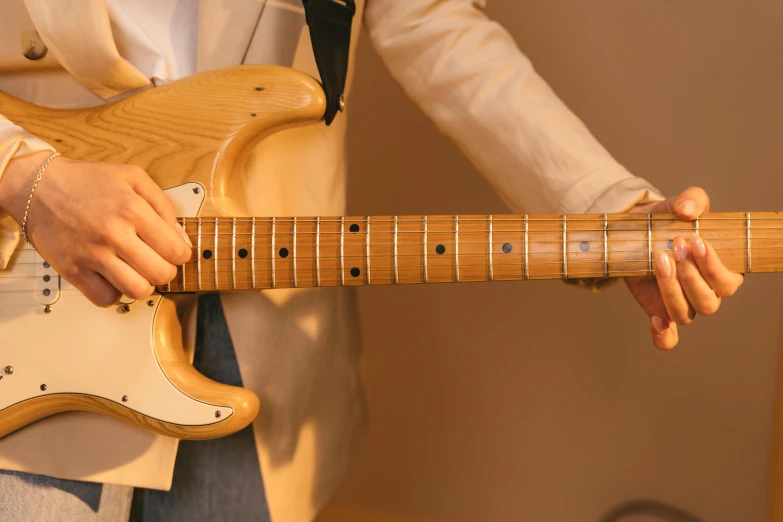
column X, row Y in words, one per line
column 32, row 192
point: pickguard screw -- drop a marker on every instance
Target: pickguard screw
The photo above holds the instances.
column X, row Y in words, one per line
column 126, row 308
column 124, row 398
column 196, row 190
column 9, row 370
column 43, row 387
column 217, row 414
column 47, row 309
column 150, row 303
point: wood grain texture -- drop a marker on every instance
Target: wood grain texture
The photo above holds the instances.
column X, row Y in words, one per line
column 167, row 341
column 195, row 129
column 303, row 252
column 170, row 354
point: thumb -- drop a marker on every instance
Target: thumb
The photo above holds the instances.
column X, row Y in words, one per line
column 688, row 205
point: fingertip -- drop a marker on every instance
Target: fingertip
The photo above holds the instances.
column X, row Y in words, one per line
column 187, row 255
column 698, row 246
column 692, row 203
column 681, row 249
column 659, row 325
column 664, row 333
column 686, row 209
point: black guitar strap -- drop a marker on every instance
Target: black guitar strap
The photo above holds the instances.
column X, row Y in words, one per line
column 330, row 32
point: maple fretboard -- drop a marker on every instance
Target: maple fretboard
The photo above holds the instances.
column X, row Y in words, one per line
column 301, row 252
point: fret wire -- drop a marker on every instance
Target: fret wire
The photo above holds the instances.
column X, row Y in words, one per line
column 368, row 249
column 273, row 252
column 554, row 255
column 489, row 247
column 527, row 261
column 215, row 257
column 198, row 254
column 294, row 256
column 342, row 250
column 234, row 254
column 649, row 243
column 318, row 251
column 565, row 248
column 253, row 254
column 184, row 227
column 426, row 273
column 456, row 246
column 679, row 231
column 606, row 246
column 696, row 225
column 574, row 218
column 396, row 252
column 747, row 234
column 554, row 263
column 557, row 272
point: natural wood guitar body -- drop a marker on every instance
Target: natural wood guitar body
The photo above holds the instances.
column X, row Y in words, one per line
column 191, row 136
column 193, row 130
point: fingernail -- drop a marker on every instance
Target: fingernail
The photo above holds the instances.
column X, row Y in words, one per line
column 659, row 324
column 663, row 265
column 680, row 251
column 183, row 234
column 699, row 250
column 687, row 207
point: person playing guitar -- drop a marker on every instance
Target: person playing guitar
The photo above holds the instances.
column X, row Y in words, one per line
column 111, row 231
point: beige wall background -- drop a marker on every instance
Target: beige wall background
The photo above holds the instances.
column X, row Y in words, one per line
column 538, row 402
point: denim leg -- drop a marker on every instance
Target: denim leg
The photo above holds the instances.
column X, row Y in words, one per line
column 36, row 498
column 215, row 479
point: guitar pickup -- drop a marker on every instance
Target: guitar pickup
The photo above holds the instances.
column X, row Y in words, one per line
column 47, row 282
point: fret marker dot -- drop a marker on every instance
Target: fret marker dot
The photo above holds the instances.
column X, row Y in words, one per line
column 283, row 252
column 355, row 272
column 242, row 253
column 354, row 228
column 584, row 246
column 440, row 249
column 507, row 248
column 670, row 243
column 207, row 254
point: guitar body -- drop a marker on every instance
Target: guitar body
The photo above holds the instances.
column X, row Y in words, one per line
column 59, row 352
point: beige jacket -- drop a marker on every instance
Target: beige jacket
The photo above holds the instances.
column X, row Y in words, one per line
column 299, row 350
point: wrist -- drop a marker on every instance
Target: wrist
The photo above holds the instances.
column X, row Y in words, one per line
column 16, row 182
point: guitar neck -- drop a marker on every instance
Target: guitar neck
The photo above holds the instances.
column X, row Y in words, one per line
column 303, row 252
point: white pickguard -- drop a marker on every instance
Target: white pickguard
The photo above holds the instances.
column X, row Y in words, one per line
column 79, row 348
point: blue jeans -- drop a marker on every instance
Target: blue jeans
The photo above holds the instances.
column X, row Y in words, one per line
column 213, row 480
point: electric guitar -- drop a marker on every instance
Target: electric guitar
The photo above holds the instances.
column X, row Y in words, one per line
column 58, row 352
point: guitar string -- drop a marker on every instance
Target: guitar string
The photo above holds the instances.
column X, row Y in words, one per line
column 191, row 287
column 261, row 272
column 450, row 241
column 740, row 216
column 209, row 231
column 577, row 256
column 500, row 264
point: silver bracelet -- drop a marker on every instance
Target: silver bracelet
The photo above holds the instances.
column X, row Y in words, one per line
column 32, row 191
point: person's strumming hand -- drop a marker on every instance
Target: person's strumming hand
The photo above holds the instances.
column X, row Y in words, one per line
column 108, row 229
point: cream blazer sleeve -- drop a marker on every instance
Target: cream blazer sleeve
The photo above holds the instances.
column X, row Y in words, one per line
column 14, row 142
column 468, row 75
